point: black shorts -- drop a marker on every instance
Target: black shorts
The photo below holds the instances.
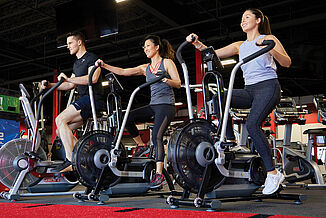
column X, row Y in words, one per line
column 84, row 105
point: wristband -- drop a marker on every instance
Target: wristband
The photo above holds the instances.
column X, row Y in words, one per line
column 164, row 80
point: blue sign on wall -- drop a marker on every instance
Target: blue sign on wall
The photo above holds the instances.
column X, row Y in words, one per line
column 9, row 129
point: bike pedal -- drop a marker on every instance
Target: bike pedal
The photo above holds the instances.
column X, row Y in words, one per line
column 118, row 152
column 32, row 155
column 228, row 144
column 158, row 188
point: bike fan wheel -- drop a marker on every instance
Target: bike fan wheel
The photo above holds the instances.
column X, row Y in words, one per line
column 188, row 173
column 8, row 172
column 84, row 155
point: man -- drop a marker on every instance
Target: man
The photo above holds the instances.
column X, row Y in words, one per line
column 79, row 111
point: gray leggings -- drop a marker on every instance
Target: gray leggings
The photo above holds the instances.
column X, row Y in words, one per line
column 261, row 98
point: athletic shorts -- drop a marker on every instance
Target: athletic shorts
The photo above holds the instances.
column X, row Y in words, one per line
column 84, row 105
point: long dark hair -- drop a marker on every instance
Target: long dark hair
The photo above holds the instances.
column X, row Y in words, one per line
column 165, row 48
column 264, row 26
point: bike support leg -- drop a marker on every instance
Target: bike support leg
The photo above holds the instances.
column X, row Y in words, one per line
column 204, row 183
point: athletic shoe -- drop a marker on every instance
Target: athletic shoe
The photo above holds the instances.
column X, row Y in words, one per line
column 241, row 149
column 272, row 183
column 141, row 151
column 157, row 181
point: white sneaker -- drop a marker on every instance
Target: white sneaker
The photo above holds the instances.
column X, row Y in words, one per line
column 239, row 148
column 272, row 183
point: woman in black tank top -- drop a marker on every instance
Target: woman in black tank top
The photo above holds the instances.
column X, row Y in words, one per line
column 162, row 108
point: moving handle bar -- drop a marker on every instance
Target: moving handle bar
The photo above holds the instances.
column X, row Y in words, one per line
column 39, row 108
column 270, row 45
column 186, row 77
column 163, row 75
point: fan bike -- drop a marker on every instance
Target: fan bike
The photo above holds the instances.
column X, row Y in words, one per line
column 100, row 158
column 24, row 163
column 198, row 153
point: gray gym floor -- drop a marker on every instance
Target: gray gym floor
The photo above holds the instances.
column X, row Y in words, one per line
column 315, row 205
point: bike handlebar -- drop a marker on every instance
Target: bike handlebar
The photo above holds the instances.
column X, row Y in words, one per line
column 178, row 53
column 164, row 74
column 46, row 94
column 90, row 76
column 39, row 94
column 23, row 89
column 270, row 45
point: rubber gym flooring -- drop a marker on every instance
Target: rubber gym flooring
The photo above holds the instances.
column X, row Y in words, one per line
column 136, row 206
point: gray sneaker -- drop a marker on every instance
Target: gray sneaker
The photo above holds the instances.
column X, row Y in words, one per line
column 157, row 181
column 141, row 151
column 272, row 183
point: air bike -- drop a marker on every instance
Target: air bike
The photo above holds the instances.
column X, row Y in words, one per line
column 199, row 155
column 100, row 159
column 24, row 166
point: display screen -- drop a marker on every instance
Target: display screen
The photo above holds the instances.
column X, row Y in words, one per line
column 320, row 140
column 94, row 18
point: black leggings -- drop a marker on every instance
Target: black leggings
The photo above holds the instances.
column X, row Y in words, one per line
column 163, row 115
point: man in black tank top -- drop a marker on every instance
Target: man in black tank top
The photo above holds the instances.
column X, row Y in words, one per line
column 79, row 111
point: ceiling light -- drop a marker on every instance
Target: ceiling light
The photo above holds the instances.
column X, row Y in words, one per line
column 118, row 1
column 228, row 62
column 62, row 46
column 224, row 62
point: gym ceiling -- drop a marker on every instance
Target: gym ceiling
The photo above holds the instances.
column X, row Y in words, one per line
column 28, row 47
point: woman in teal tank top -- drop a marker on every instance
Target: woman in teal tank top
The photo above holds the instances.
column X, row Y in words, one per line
column 162, row 106
column 262, row 89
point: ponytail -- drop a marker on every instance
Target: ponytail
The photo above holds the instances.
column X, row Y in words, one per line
column 165, row 48
column 264, row 26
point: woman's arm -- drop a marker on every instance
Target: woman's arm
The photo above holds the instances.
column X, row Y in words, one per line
column 278, row 51
column 227, row 51
column 170, row 67
column 134, row 71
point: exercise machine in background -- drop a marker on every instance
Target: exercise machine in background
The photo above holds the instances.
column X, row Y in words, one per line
column 320, row 103
column 296, row 163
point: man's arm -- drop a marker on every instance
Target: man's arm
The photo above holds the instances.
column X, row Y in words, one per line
column 83, row 80
column 64, row 86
